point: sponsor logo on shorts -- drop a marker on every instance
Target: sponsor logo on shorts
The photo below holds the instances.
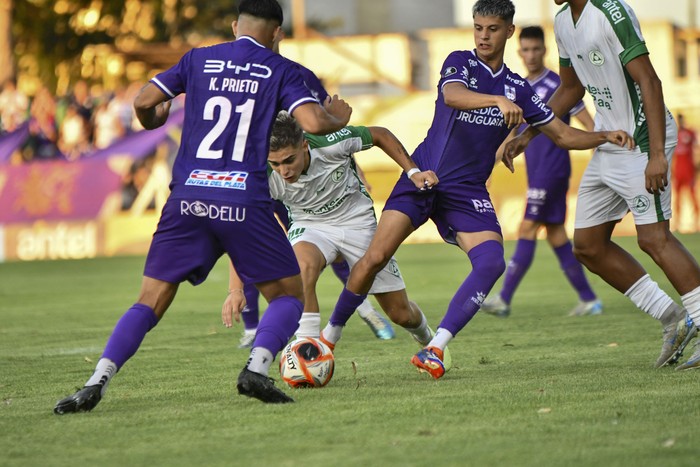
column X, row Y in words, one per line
column 394, row 268
column 536, row 194
column 234, row 180
column 212, row 211
column 640, row 204
column 483, row 205
column 295, row 233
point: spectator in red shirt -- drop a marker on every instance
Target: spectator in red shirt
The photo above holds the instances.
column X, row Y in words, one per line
column 683, row 170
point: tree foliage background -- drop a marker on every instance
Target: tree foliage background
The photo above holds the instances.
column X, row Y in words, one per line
column 45, row 39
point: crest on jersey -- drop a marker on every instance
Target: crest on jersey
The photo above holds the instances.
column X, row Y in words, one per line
column 338, row 174
column 596, row 57
column 449, row 71
column 510, row 92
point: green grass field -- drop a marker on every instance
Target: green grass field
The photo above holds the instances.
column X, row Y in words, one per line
column 536, row 389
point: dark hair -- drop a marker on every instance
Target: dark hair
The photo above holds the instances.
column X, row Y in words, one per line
column 504, row 9
column 532, row 32
column 286, row 132
column 265, row 9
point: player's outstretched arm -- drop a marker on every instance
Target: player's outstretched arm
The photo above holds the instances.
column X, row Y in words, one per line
column 152, row 106
column 322, row 120
column 390, row 144
column 567, row 137
column 235, row 300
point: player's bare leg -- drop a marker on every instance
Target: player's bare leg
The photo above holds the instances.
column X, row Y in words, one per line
column 392, row 229
column 595, row 249
column 405, row 313
column 311, row 262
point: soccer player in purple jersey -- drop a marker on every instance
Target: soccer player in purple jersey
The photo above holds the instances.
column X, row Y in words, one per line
column 220, row 199
column 479, row 101
column 548, row 171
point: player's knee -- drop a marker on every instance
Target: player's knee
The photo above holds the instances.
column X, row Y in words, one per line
column 585, row 253
column 653, row 243
column 375, row 260
column 491, row 263
column 309, row 271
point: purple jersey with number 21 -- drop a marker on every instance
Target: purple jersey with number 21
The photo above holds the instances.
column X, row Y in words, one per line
column 228, row 86
column 220, row 199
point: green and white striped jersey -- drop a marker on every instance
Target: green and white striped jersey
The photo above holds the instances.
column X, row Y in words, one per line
column 605, row 38
column 330, row 192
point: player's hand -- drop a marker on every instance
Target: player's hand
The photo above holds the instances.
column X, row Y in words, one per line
column 620, row 138
column 162, row 111
column 232, row 307
column 512, row 113
column 656, row 174
column 338, row 108
column 513, row 148
column 425, row 180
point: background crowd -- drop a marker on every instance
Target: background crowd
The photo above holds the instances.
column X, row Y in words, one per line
column 69, row 126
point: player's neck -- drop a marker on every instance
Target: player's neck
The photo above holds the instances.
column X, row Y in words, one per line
column 532, row 76
column 494, row 63
column 307, row 161
column 577, row 7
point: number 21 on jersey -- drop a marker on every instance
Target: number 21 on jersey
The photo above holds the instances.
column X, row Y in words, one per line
column 204, row 151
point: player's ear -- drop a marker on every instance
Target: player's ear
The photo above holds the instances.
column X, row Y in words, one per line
column 511, row 30
column 234, row 27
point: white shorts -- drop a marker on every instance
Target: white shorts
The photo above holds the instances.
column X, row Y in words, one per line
column 351, row 244
column 614, row 184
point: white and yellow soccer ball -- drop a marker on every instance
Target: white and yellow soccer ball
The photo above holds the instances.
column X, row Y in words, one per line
column 306, row 363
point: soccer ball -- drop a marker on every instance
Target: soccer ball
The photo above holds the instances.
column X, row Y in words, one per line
column 306, row 363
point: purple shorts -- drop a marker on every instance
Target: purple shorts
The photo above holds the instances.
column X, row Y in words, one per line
column 452, row 207
column 192, row 235
column 546, row 200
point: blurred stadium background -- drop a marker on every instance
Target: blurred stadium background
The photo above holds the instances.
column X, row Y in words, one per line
column 80, row 179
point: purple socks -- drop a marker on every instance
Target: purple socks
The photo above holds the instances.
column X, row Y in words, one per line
column 346, row 306
column 129, row 333
column 341, row 270
column 278, row 324
column 251, row 312
column 487, row 266
column 574, row 272
column 517, row 267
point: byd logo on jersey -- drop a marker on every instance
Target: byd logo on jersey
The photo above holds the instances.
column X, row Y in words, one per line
column 255, row 70
column 234, row 180
column 483, row 205
column 212, row 211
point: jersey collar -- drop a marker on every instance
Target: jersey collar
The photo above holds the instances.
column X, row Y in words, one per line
column 482, row 63
column 251, row 40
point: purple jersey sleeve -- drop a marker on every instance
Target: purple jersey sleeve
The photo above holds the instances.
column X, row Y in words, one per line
column 543, row 158
column 314, row 84
column 234, row 91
